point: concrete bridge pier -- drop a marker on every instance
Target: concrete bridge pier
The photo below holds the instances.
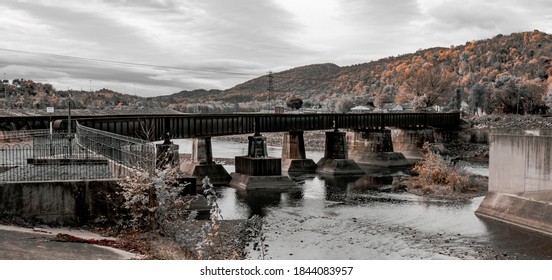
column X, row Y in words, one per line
column 336, row 160
column 294, row 159
column 409, row 141
column 520, row 180
column 374, row 147
column 202, row 164
column 166, row 153
column 257, row 170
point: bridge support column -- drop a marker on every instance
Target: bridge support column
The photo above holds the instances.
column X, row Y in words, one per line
column 410, row 141
column 374, row 147
column 202, row 164
column 257, row 170
column 335, row 160
column 294, row 159
column 166, row 154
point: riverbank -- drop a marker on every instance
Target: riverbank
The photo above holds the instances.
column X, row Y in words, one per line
column 227, row 242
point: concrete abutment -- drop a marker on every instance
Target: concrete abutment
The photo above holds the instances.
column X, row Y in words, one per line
column 520, row 180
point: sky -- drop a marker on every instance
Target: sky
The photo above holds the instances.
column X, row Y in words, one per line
column 160, row 47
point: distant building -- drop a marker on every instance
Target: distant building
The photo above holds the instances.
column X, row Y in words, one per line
column 408, row 107
column 362, row 109
column 464, row 107
column 391, row 107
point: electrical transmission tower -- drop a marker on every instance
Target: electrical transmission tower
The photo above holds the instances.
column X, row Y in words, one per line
column 270, row 89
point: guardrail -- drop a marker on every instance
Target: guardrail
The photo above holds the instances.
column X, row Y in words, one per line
column 87, row 155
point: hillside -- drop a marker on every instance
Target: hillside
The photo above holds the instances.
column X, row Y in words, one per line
column 504, row 74
column 485, row 65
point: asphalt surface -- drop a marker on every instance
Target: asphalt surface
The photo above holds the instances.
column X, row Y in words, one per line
column 35, row 244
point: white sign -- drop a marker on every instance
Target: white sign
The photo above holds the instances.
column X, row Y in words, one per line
column 49, row 109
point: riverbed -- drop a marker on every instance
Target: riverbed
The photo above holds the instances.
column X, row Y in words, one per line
column 362, row 218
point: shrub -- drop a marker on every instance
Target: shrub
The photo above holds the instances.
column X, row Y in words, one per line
column 433, row 169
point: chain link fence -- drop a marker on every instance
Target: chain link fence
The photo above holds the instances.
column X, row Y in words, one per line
column 89, row 154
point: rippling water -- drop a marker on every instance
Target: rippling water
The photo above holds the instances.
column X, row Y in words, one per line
column 360, row 218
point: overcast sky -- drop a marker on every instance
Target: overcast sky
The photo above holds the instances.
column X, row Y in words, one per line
column 159, row 47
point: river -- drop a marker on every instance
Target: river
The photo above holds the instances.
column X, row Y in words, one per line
column 359, row 218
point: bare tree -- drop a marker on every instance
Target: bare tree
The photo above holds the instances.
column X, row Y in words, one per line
column 430, row 85
column 344, row 105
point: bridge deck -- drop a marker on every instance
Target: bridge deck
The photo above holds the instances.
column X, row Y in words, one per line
column 192, row 126
column 155, row 126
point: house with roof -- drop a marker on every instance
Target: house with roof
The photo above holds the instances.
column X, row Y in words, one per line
column 391, row 107
column 362, row 109
column 408, row 107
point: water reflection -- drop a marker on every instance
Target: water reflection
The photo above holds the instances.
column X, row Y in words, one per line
column 351, row 218
column 364, row 217
column 261, row 200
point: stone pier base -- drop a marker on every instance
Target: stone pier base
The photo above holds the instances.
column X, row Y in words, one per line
column 335, row 160
column 336, row 167
column 294, row 160
column 374, row 147
column 298, row 166
column 217, row 174
column 248, row 182
column 259, row 173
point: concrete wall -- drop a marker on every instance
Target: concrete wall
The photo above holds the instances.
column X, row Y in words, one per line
column 520, row 163
column 520, row 180
column 71, row 202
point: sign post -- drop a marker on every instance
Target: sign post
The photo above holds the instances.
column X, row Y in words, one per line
column 50, row 111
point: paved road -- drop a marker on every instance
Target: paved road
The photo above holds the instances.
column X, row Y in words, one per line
column 27, row 244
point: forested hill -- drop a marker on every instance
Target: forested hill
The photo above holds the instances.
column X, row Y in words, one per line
column 506, row 74
column 520, row 57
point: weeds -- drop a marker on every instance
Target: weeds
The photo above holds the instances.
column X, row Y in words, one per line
column 433, row 170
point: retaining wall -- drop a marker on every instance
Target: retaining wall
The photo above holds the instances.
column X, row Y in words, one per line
column 68, row 202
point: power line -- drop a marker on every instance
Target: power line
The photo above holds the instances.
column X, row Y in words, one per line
column 275, row 76
column 145, row 65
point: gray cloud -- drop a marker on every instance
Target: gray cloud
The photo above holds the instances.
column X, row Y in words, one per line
column 170, row 45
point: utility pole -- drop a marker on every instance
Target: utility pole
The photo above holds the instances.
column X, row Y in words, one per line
column 5, row 91
column 69, row 128
column 270, row 89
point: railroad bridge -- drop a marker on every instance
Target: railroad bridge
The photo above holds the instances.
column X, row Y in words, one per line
column 368, row 140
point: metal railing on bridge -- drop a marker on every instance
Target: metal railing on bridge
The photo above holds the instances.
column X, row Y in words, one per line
column 87, row 155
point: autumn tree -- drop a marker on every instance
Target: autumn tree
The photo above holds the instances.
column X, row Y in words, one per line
column 428, row 86
column 387, row 95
